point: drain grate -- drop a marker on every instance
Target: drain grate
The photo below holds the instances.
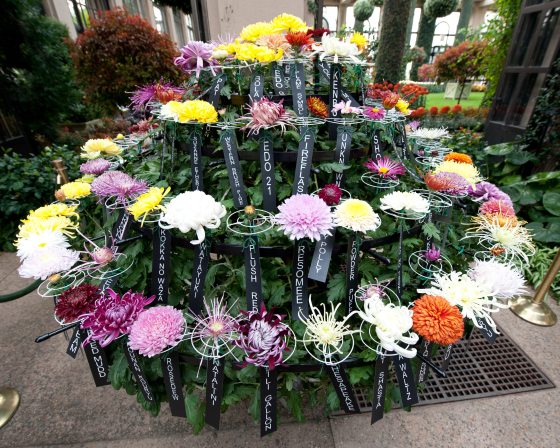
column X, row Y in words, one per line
column 478, row 369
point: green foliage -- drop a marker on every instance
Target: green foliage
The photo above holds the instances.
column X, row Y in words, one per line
column 363, row 9
column 439, row 8
column 539, row 264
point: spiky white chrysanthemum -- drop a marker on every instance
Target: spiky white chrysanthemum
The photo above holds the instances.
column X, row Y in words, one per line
column 405, row 201
column 429, row 133
column 503, row 279
column 336, row 48
column 38, row 242
column 45, row 263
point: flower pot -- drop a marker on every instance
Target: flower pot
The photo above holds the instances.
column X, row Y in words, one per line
column 453, row 90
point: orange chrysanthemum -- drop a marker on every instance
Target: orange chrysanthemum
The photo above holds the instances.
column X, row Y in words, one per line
column 436, row 320
column 317, row 107
column 299, row 40
column 458, row 157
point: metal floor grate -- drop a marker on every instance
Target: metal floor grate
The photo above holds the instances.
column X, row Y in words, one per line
column 477, row 369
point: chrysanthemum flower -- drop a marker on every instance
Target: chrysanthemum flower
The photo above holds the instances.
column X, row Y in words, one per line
column 385, row 167
column 97, row 147
column 429, row 133
column 331, row 194
column 299, row 40
column 35, row 226
column 113, row 315
column 356, row 215
column 264, row 114
column 458, row 157
column 359, row 40
column 345, row 108
column 262, row 336
column 195, row 55
column 47, row 262
column 74, row 302
column 95, row 166
column 288, row 22
column 317, row 107
column 390, row 100
column 52, row 210
column 148, row 202
column 469, row 172
column 193, row 210
column 497, row 206
column 484, row 191
column 402, row 106
column 446, row 182
column 119, row 185
column 504, row 280
column 217, row 323
column 436, row 320
column 405, row 201
column 304, row 216
column 250, row 53
column 160, row 91
column 256, row 30
column 432, row 254
column 190, row 111
column 336, row 48
column 374, row 113
column 42, row 241
column 156, row 329
column 275, row 42
column 75, row 190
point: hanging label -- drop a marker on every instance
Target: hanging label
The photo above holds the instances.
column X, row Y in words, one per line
column 97, row 361
column 379, row 388
column 200, row 268
column 161, row 258
column 425, row 350
column 268, row 400
column 322, row 258
column 448, row 351
column 122, row 226
column 257, row 87
column 297, row 81
column 253, row 285
column 404, row 140
column 108, row 283
column 377, row 145
column 487, row 331
column 352, row 261
column 303, row 164
column 403, row 370
column 194, row 144
column 300, row 298
column 278, row 80
column 343, row 389
column 214, row 93
column 173, row 384
column 75, row 342
column 141, row 380
column 267, row 173
column 325, row 72
column 214, row 389
column 334, row 96
column 229, row 145
column 342, row 151
column 400, row 264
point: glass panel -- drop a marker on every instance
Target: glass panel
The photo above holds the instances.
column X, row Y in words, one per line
column 330, row 17
column 527, row 99
column 134, row 7
column 520, row 102
column 190, row 29
column 549, row 28
column 503, row 98
column 161, row 23
column 526, row 31
column 79, row 13
column 178, row 26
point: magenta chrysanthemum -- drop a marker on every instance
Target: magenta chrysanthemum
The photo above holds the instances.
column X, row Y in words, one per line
column 262, row 336
column 484, row 191
column 155, row 91
column 95, row 166
column 385, row 167
column 494, row 206
column 331, row 194
column 446, row 182
column 432, row 254
column 118, row 184
column 265, row 114
column 305, row 216
column 195, row 56
column 375, row 113
column 156, row 330
column 113, row 315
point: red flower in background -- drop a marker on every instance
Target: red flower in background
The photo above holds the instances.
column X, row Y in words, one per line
column 418, row 113
column 318, row 32
column 444, row 110
column 456, row 109
column 433, row 110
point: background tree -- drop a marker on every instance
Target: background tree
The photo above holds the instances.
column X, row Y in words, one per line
column 464, row 18
column 363, row 9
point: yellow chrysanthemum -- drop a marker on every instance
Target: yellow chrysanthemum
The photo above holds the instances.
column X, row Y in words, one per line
column 256, row 30
column 196, row 110
column 37, row 226
column 76, row 190
column 359, row 40
column 402, row 106
column 148, row 202
column 469, row 172
column 55, row 209
column 288, row 22
column 119, row 137
column 252, row 52
column 96, row 147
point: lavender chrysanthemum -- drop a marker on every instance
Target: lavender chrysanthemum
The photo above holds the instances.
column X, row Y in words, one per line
column 149, row 92
column 118, row 184
column 484, row 191
column 113, row 315
column 95, row 166
column 195, row 56
column 303, row 215
column 156, row 330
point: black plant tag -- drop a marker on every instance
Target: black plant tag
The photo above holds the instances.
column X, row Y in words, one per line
column 161, row 260
column 214, row 93
column 194, row 145
column 425, row 350
column 253, row 280
column 214, row 390
column 487, row 331
column 342, row 151
column 269, row 394
column 173, row 384
column 447, row 352
column 122, row 226
column 98, row 364
column 229, row 146
column 352, row 280
column 257, row 86
column 108, row 283
column 138, row 373
column 75, row 341
column 379, row 388
column 334, row 96
column 322, row 258
column 267, row 173
column 304, row 158
column 377, row 145
column 403, row 369
column 400, row 264
column 325, row 71
column 300, row 298
column 297, row 81
column 279, row 80
column 200, row 269
column 343, row 389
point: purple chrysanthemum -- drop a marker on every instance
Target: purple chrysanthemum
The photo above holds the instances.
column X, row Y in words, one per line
column 195, row 56
column 262, row 336
column 156, row 330
column 95, row 166
column 414, row 125
column 113, row 315
column 484, row 191
column 118, row 184
column 149, row 92
column 432, row 254
column 446, row 182
column 303, row 215
column 385, row 167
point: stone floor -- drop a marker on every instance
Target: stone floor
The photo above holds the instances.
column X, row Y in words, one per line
column 61, row 407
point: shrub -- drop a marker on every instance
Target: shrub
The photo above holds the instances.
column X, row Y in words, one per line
column 119, row 52
column 426, row 72
column 433, row 110
column 439, row 8
column 461, row 62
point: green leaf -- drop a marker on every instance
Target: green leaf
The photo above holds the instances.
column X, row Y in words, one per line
column 520, row 157
column 195, row 411
column 430, row 230
column 551, row 202
column 529, row 195
column 546, row 233
column 358, row 374
column 254, row 408
column 333, row 166
column 332, row 399
column 501, row 149
column 294, row 405
column 336, row 288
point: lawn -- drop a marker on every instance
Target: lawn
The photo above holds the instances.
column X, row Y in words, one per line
column 437, row 99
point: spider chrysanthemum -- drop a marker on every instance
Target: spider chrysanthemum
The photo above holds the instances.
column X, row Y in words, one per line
column 264, row 114
column 385, row 167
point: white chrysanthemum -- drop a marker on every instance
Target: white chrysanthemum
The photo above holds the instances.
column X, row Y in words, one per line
column 473, row 298
column 393, row 324
column 170, row 110
column 504, row 280
column 37, row 242
column 405, row 201
column 335, row 47
column 356, row 215
column 193, row 210
column 48, row 262
column 429, row 133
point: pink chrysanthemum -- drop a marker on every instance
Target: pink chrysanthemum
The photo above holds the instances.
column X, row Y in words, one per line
column 156, row 330
column 113, row 315
column 494, row 206
column 432, row 254
column 331, row 194
column 195, row 56
column 375, row 113
column 385, row 167
column 446, row 182
column 262, row 336
column 95, row 166
column 265, row 114
column 305, row 216
column 118, row 184
column 484, row 191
